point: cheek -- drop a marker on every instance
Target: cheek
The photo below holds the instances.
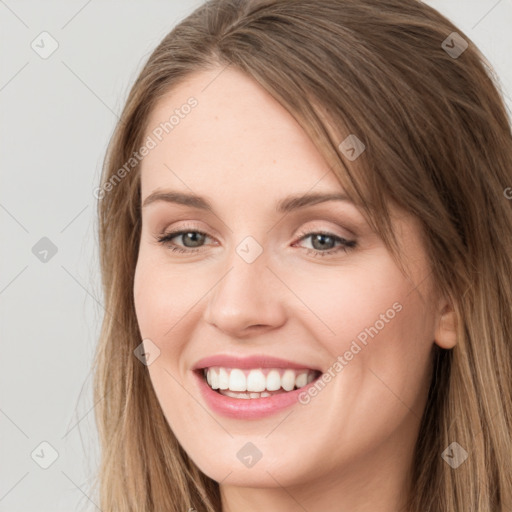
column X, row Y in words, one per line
column 163, row 296
column 346, row 301
column 376, row 325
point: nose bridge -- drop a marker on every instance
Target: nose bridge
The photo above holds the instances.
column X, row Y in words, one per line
column 247, row 293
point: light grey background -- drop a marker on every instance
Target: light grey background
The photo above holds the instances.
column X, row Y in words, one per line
column 57, row 115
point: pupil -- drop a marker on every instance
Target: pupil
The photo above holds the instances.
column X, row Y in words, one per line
column 322, row 238
column 194, row 238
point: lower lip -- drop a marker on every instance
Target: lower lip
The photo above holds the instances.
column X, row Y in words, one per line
column 248, row 408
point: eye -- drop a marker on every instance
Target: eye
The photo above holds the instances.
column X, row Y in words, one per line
column 324, row 243
column 192, row 240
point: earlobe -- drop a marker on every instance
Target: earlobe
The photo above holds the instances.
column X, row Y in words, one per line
column 446, row 330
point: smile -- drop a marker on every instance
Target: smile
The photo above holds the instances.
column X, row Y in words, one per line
column 254, row 386
column 257, row 383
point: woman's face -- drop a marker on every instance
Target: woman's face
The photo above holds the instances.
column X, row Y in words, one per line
column 303, row 281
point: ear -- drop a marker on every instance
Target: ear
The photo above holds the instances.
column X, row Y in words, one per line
column 446, row 328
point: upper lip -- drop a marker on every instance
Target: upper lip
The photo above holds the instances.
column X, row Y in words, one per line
column 256, row 361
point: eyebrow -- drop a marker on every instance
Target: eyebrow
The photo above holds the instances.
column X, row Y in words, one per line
column 285, row 205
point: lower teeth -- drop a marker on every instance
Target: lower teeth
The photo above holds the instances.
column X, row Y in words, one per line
column 249, row 394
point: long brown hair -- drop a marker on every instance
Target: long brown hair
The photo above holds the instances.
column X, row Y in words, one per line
column 438, row 144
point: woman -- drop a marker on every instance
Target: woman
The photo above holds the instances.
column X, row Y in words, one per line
column 306, row 255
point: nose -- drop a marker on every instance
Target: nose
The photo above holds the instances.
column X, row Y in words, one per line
column 248, row 299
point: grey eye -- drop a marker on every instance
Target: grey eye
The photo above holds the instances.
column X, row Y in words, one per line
column 321, row 238
column 192, row 238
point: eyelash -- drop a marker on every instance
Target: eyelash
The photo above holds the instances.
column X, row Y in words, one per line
column 346, row 245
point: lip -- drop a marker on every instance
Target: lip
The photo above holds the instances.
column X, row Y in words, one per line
column 244, row 363
column 248, row 408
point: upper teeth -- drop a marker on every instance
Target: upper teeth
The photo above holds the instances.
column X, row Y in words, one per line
column 261, row 379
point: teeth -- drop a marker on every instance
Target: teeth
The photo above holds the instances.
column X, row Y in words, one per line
column 302, row 380
column 232, row 394
column 288, row 380
column 212, row 377
column 273, row 380
column 237, row 381
column 258, row 382
column 223, row 379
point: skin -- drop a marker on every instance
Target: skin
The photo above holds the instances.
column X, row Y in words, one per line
column 350, row 448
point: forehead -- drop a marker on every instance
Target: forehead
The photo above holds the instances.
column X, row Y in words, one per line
column 236, row 136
